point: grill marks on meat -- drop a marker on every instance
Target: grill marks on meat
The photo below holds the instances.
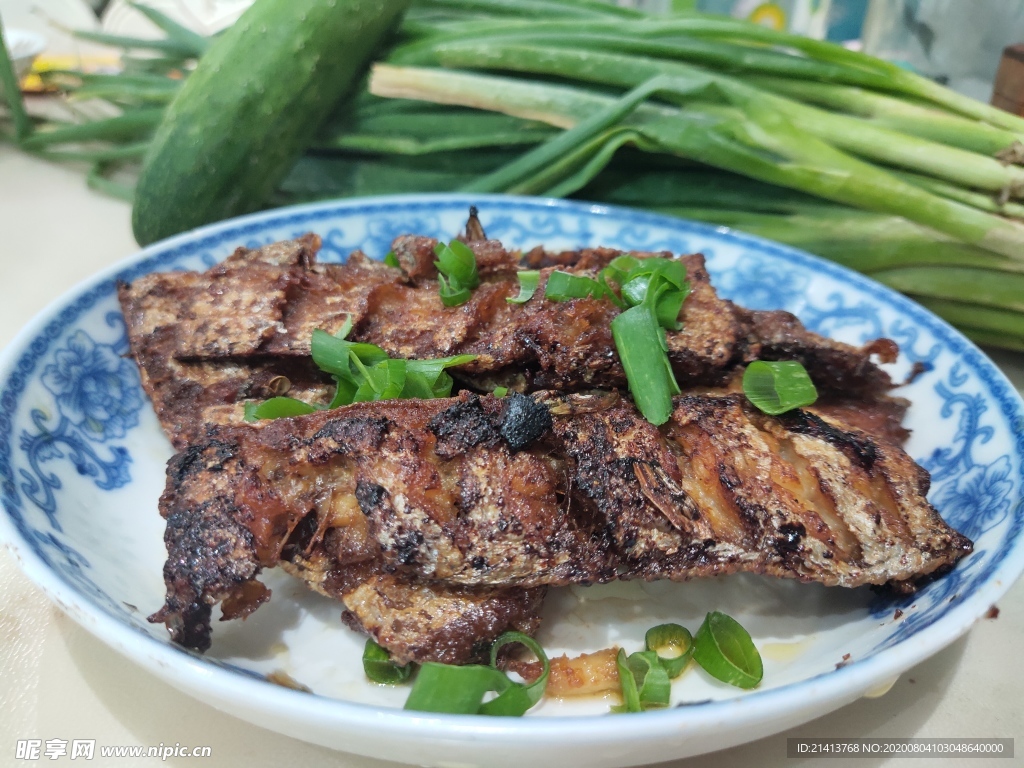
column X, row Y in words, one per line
column 418, row 512
column 364, row 488
column 205, row 342
column 723, row 488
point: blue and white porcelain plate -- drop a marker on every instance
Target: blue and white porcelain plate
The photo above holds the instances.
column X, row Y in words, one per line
column 82, row 466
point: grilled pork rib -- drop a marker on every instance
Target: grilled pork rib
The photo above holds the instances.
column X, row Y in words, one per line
column 206, row 342
column 469, row 498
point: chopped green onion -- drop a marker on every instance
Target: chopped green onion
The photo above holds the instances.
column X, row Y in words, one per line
column 777, row 387
column 461, row 690
column 452, row 292
column 517, row 698
column 453, row 690
column 392, row 260
column 379, row 667
column 726, row 652
column 276, row 408
column 562, row 286
column 458, row 262
column 500, row 391
column 674, row 638
column 642, row 348
column 528, row 280
column 644, row 680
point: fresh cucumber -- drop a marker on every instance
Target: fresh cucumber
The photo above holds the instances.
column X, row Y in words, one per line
column 252, row 105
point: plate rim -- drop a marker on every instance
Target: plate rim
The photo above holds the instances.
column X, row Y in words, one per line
column 163, row 658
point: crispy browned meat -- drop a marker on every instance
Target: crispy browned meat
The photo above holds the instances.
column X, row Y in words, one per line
column 391, row 503
column 441, row 490
column 206, row 342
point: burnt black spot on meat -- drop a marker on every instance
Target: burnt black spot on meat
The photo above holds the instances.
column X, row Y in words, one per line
column 463, row 426
column 370, row 496
column 212, row 456
column 523, row 421
column 408, row 546
column 348, row 436
column 860, row 449
column 209, row 554
column 790, row 536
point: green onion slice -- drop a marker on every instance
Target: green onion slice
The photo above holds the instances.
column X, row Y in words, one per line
column 726, row 652
column 392, row 260
column 379, row 667
column 644, row 680
column 461, row 690
column 453, row 690
column 276, row 408
column 675, row 639
column 563, row 286
column 517, row 698
column 778, row 387
column 500, row 391
column 642, row 348
column 452, row 292
column 456, row 261
column 528, row 280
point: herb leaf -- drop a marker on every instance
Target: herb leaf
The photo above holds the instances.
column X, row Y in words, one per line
column 528, row 280
column 379, row 667
column 777, row 387
column 726, row 652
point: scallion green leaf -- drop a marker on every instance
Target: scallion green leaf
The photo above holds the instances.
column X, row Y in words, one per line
column 644, row 680
column 777, row 387
column 675, row 639
column 454, row 690
column 563, row 286
column 528, row 280
column 461, row 690
column 392, row 260
column 642, row 348
column 379, row 667
column 453, row 294
column 500, row 391
column 456, row 260
column 276, row 408
column 726, row 652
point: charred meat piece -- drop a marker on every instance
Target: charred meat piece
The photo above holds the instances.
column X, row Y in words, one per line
column 459, row 492
column 723, row 488
column 388, row 503
column 205, row 342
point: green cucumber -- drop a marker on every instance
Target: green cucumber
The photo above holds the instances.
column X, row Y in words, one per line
column 253, row 104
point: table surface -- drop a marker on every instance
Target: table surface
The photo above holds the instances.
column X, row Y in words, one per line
column 57, row 681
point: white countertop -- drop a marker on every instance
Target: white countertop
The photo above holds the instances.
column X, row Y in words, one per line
column 57, row 681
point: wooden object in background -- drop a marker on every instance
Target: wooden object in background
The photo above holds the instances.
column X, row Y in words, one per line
column 1008, row 91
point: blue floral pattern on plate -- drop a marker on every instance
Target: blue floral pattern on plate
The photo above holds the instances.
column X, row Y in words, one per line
column 76, row 434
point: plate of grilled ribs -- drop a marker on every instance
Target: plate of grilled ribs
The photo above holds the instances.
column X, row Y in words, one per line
column 852, row 538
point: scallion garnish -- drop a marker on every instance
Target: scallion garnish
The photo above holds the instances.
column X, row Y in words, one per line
column 392, row 260
column 675, row 639
column 500, row 391
column 644, row 680
column 461, row 690
column 276, row 408
column 563, row 286
column 726, row 652
column 528, row 280
column 642, row 348
column 379, row 667
column 364, row 372
column 777, row 387
column 458, row 276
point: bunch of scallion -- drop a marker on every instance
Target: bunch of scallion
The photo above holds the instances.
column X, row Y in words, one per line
column 847, row 156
